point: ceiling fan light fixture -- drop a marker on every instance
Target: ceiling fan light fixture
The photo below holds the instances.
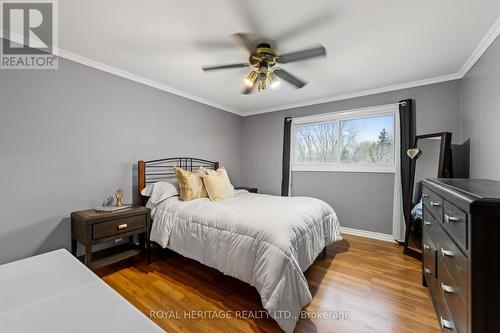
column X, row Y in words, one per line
column 263, row 70
column 273, row 81
column 262, row 85
column 264, row 59
column 250, row 79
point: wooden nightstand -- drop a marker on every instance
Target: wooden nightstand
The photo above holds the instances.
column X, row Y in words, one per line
column 90, row 228
column 249, row 189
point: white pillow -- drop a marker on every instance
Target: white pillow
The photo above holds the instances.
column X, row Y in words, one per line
column 159, row 191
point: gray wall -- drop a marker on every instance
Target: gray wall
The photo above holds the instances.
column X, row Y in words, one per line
column 70, row 137
column 363, row 201
column 481, row 114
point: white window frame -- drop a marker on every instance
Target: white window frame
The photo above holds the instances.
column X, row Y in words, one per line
column 337, row 117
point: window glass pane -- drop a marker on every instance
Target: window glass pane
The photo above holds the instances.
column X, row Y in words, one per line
column 316, row 143
column 368, row 140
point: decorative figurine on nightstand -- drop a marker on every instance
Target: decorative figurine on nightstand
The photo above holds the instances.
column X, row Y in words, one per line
column 119, row 196
column 109, row 201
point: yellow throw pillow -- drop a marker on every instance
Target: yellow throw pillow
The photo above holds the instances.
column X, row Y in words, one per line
column 218, row 185
column 190, row 184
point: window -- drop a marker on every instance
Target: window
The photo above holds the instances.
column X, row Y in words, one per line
column 358, row 141
column 317, row 143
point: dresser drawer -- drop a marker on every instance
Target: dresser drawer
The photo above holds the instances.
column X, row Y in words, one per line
column 429, row 260
column 454, row 302
column 429, row 223
column 433, row 203
column 455, row 221
column 443, row 314
column 117, row 227
column 454, row 260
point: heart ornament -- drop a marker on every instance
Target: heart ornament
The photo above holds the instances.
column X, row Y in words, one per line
column 413, row 153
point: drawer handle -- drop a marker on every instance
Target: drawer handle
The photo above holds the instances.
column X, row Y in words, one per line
column 446, row 324
column 122, row 226
column 427, row 223
column 427, row 271
column 426, row 247
column 449, row 219
column 435, row 204
column 447, row 253
column 447, row 289
column 425, row 195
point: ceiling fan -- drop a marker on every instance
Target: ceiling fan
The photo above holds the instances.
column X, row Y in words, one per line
column 265, row 62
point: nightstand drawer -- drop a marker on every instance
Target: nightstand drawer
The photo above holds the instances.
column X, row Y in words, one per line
column 117, row 227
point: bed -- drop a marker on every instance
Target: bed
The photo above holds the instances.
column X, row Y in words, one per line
column 266, row 241
column 55, row 293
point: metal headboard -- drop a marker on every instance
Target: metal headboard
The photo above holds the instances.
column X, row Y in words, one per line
column 153, row 171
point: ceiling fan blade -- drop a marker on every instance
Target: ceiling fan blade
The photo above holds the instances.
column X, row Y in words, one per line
column 302, row 55
column 282, row 74
column 310, row 25
column 248, row 13
column 211, row 68
column 245, row 41
column 214, row 44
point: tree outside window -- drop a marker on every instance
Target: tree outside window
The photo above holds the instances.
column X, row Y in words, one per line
column 364, row 141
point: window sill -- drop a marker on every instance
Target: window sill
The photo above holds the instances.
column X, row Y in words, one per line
column 353, row 169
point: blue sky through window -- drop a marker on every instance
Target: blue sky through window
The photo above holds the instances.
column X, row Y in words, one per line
column 369, row 128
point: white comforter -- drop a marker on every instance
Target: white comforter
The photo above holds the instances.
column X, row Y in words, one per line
column 266, row 241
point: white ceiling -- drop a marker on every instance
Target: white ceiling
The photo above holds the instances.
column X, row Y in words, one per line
column 372, row 45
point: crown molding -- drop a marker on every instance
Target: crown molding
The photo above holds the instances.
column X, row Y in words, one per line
column 16, row 38
column 480, row 49
column 395, row 87
column 130, row 76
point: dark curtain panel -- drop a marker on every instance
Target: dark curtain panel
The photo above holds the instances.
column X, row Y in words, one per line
column 407, row 126
column 285, row 175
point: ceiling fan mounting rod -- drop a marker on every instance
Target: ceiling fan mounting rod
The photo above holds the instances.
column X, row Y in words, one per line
column 263, row 54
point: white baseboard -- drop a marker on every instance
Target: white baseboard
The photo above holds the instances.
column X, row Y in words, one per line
column 368, row 234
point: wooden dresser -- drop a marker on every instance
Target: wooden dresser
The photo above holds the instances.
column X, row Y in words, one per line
column 461, row 252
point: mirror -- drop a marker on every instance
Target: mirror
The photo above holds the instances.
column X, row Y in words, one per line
column 431, row 159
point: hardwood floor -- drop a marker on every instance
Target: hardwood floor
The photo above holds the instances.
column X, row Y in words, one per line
column 379, row 288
